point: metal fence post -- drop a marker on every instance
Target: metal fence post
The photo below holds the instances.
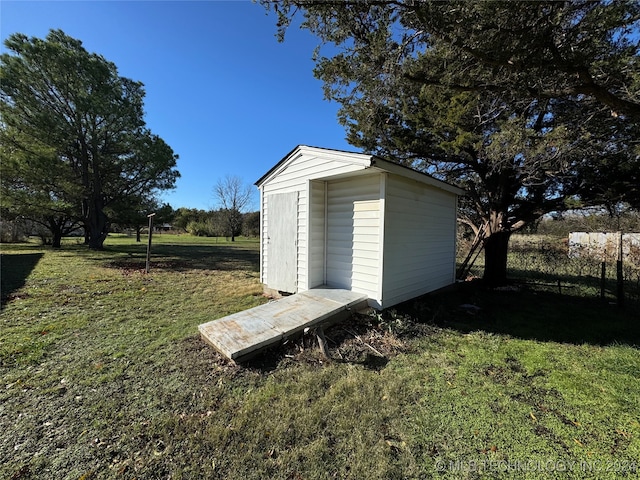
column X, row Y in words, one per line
column 619, row 274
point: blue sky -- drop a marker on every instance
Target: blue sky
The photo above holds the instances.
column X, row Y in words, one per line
column 221, row 90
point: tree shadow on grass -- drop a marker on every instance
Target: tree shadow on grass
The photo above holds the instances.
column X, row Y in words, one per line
column 15, row 268
column 587, row 283
column 525, row 313
column 181, row 257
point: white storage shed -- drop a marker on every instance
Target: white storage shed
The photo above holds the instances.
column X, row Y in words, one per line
column 357, row 222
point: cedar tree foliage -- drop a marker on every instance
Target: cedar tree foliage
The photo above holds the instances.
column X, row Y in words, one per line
column 515, row 101
column 73, row 130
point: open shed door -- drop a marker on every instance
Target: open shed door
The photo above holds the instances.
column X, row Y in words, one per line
column 282, row 251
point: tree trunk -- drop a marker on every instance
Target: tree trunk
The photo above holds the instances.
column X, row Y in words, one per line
column 138, row 233
column 93, row 206
column 99, row 232
column 56, row 240
column 56, row 233
column 85, row 223
column 98, row 225
column 496, row 248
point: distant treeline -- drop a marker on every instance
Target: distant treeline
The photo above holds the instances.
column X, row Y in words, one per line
column 587, row 221
column 207, row 223
column 216, row 223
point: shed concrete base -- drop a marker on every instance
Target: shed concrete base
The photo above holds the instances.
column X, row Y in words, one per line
column 244, row 334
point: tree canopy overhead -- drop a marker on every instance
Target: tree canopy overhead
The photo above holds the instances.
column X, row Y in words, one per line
column 58, row 98
column 514, row 101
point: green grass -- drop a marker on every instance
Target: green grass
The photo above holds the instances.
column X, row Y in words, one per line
column 104, row 376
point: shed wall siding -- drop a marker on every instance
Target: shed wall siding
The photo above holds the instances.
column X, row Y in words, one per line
column 317, row 226
column 353, row 234
column 264, row 212
column 295, row 178
column 375, row 231
column 420, row 223
column 307, row 167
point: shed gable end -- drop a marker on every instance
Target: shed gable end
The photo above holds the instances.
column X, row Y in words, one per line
column 310, row 163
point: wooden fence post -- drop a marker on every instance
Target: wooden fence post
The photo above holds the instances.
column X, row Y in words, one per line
column 149, row 244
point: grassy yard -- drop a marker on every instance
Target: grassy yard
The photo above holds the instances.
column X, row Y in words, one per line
column 105, row 376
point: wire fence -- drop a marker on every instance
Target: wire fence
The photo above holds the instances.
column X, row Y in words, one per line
column 545, row 261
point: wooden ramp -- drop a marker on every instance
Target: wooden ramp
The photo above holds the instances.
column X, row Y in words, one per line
column 244, row 334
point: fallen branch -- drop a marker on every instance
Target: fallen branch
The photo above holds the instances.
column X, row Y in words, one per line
column 357, row 337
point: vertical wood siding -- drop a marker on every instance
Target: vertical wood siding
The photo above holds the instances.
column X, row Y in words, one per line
column 282, row 239
column 420, row 223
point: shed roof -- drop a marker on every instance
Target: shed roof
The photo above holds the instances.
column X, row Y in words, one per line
column 362, row 159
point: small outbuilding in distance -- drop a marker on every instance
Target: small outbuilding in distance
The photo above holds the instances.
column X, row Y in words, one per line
column 356, row 222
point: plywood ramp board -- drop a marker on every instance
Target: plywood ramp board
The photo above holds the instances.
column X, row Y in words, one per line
column 244, row 334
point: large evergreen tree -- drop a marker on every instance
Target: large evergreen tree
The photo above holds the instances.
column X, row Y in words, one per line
column 60, row 98
column 34, row 186
column 514, row 101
